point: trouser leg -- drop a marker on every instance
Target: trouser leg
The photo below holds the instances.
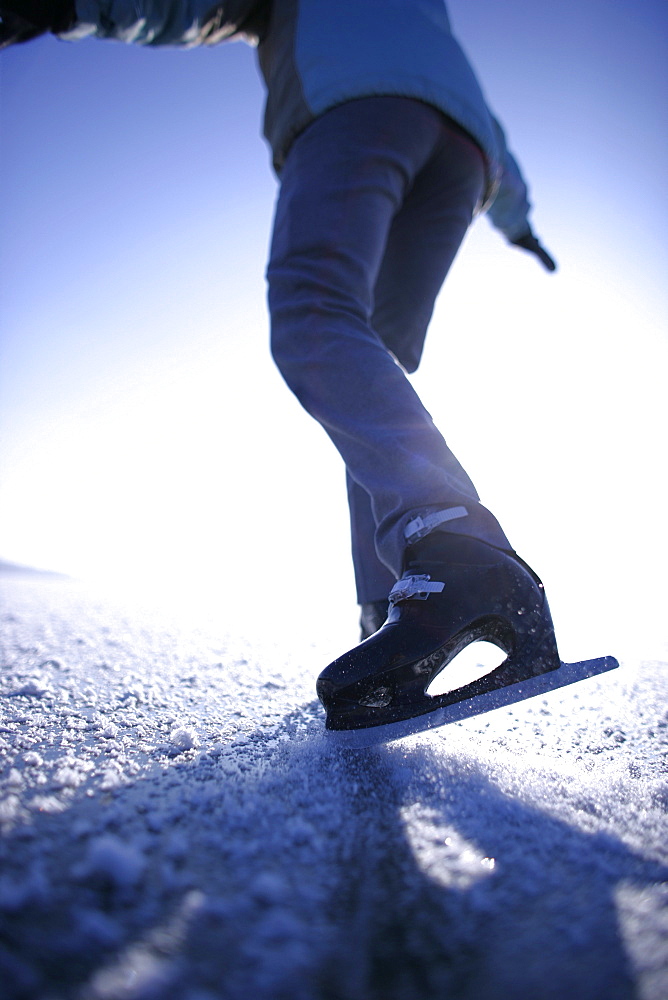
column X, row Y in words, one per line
column 345, row 181
column 373, row 580
column 423, row 241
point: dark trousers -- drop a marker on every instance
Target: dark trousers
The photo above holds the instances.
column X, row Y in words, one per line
column 376, row 197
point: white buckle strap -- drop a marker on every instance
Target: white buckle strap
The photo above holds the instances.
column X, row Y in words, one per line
column 415, row 588
column 421, row 526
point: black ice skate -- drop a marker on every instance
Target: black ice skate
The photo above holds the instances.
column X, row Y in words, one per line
column 455, row 590
column 372, row 616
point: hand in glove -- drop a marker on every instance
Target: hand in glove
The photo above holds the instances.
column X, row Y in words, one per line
column 21, row 20
column 529, row 242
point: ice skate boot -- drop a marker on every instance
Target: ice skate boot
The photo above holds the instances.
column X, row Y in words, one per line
column 455, row 590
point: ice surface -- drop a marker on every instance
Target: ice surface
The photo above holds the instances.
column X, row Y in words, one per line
column 176, row 826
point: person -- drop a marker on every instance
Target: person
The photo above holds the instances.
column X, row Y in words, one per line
column 386, row 151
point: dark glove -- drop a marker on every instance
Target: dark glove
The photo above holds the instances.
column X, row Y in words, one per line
column 527, row 241
column 21, row 20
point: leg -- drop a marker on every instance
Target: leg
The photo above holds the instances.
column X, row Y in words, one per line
column 373, row 580
column 423, row 241
column 345, row 180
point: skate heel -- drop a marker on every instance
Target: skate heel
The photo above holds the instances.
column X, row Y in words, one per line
column 531, row 658
column 528, row 656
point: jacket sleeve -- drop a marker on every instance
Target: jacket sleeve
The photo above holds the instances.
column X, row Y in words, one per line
column 180, row 23
column 509, row 210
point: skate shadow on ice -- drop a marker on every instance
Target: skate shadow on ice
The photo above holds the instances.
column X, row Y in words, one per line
column 458, row 887
column 288, row 869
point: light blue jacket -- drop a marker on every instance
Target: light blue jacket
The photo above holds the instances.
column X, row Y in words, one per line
column 315, row 54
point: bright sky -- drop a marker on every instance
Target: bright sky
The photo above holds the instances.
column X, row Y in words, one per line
column 145, row 434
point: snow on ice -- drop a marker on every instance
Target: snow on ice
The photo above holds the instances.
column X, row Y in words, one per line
column 176, row 825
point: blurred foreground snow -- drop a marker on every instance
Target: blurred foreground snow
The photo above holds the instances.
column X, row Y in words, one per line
column 177, row 826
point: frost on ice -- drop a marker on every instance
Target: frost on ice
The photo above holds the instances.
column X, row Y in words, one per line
column 113, row 861
column 176, row 826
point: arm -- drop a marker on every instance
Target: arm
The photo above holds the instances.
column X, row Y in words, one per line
column 181, row 23
column 509, row 212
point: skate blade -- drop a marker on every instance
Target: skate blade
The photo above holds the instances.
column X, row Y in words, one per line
column 567, row 673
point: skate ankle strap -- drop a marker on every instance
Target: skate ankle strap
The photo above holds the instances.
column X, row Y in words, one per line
column 421, row 526
column 415, row 587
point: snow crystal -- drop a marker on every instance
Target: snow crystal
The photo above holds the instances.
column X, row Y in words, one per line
column 47, row 804
column 111, row 778
column 10, row 808
column 114, row 861
column 183, row 738
column 136, row 694
column 176, row 846
column 301, row 831
column 108, row 731
column 15, row 894
column 31, row 689
column 139, row 973
column 268, row 887
column 68, row 777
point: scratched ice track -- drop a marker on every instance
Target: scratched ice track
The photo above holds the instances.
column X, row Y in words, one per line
column 176, row 826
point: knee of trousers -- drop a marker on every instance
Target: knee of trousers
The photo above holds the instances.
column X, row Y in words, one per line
column 289, row 341
column 313, row 325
